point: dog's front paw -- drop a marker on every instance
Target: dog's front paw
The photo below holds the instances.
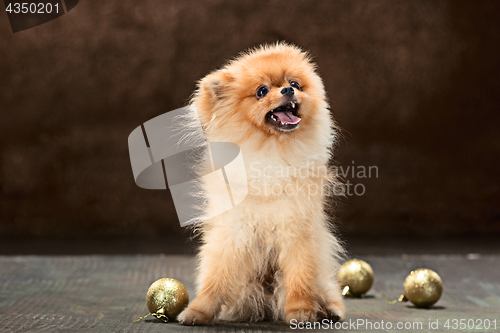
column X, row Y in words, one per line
column 194, row 317
column 335, row 311
column 301, row 315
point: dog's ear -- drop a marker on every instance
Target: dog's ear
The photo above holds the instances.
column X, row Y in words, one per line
column 215, row 86
column 212, row 90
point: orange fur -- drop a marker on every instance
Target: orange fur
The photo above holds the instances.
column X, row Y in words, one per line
column 274, row 256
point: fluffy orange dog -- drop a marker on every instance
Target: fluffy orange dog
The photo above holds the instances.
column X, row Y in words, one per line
column 273, row 256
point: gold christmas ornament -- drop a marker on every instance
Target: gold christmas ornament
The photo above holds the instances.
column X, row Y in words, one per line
column 165, row 299
column 355, row 277
column 423, row 287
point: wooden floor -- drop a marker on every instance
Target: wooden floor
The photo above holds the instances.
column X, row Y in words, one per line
column 105, row 294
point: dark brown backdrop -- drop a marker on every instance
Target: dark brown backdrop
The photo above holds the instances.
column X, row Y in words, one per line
column 414, row 85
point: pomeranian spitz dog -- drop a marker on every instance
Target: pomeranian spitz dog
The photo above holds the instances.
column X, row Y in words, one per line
column 273, row 256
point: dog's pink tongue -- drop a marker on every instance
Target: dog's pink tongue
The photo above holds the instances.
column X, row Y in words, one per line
column 287, row 117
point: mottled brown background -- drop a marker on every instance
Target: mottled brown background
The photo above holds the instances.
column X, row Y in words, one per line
column 414, row 85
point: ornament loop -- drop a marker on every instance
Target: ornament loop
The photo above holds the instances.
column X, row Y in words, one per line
column 160, row 316
column 401, row 298
column 141, row 318
column 345, row 291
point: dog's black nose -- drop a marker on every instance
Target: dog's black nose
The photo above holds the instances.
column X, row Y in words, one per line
column 287, row 91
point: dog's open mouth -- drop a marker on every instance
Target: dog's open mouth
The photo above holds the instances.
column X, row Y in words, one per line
column 285, row 117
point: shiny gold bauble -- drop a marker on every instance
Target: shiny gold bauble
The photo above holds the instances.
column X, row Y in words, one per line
column 423, row 287
column 167, row 297
column 355, row 277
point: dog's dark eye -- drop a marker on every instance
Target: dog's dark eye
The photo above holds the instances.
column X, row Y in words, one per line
column 295, row 85
column 262, row 91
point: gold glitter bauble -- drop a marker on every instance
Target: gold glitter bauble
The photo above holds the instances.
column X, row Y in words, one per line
column 423, row 287
column 355, row 277
column 168, row 297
